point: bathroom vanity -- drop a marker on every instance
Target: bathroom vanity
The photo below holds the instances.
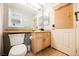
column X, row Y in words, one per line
column 40, row 40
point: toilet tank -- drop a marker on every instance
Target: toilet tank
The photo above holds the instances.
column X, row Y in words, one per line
column 16, row 39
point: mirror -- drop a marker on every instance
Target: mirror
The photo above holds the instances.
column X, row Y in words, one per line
column 15, row 19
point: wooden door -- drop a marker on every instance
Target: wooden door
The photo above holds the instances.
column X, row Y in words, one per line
column 64, row 16
column 46, row 39
column 64, row 33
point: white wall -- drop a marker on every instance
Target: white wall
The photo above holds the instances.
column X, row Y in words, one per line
column 1, row 18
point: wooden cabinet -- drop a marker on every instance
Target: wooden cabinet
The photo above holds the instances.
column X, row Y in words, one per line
column 40, row 40
column 64, row 16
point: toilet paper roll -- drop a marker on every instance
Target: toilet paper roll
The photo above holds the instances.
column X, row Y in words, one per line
column 31, row 37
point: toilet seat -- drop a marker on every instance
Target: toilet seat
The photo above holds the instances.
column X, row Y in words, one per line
column 18, row 50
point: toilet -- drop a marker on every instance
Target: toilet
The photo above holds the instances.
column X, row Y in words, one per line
column 18, row 47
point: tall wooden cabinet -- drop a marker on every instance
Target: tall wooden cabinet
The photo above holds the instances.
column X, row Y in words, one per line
column 40, row 40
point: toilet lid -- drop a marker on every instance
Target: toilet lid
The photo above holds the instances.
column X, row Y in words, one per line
column 19, row 49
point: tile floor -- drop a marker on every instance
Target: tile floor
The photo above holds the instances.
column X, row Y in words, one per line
column 47, row 52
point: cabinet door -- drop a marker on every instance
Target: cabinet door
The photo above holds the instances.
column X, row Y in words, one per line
column 37, row 43
column 46, row 39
